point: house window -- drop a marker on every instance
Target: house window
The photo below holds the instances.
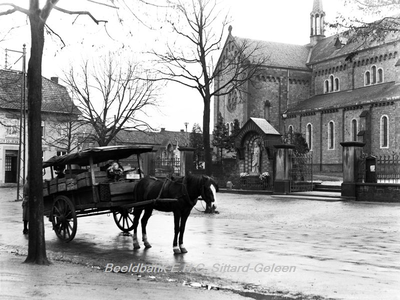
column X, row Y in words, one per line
column 60, row 153
column 384, row 132
column 331, row 135
column 12, row 128
column 354, row 129
column 326, row 86
column 309, row 136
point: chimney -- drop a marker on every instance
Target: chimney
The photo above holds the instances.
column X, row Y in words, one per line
column 54, row 79
column 162, row 129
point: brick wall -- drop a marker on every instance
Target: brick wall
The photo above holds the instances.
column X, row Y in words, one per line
column 378, row 192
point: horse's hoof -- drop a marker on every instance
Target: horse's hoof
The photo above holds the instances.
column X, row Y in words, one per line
column 147, row 245
column 177, row 250
column 136, row 246
column 183, row 249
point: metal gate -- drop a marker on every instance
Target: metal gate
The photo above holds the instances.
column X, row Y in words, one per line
column 301, row 173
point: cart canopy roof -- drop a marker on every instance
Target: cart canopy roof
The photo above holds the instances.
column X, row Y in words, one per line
column 98, row 154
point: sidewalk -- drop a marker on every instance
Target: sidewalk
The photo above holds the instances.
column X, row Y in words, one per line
column 71, row 281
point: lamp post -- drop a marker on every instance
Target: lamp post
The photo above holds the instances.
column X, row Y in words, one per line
column 186, row 125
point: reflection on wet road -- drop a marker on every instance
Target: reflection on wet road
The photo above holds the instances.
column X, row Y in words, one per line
column 333, row 249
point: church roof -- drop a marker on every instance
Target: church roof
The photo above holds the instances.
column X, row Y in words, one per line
column 277, row 54
column 375, row 93
column 347, row 43
column 317, row 7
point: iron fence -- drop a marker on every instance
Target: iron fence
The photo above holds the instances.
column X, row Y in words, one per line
column 387, row 168
column 164, row 167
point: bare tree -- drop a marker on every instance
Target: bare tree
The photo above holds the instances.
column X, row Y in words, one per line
column 192, row 63
column 368, row 20
column 111, row 97
column 37, row 18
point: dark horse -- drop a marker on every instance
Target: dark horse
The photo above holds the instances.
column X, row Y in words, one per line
column 185, row 189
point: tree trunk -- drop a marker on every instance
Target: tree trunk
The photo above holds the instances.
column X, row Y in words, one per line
column 37, row 245
column 206, row 135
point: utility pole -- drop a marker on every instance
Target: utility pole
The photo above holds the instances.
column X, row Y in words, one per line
column 21, row 177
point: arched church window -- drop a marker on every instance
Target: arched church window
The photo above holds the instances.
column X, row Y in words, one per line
column 373, row 74
column 354, row 129
column 331, row 83
column 267, row 110
column 367, row 80
column 331, row 135
column 380, row 75
column 309, row 135
column 290, row 134
column 384, row 132
column 232, row 100
column 337, row 86
column 326, row 86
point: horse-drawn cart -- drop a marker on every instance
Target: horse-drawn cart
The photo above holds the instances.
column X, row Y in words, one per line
column 86, row 189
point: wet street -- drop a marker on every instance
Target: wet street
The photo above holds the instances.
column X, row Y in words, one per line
column 334, row 249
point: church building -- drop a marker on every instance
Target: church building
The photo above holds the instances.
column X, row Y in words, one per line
column 331, row 90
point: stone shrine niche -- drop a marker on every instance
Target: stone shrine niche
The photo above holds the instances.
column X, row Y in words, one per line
column 256, row 156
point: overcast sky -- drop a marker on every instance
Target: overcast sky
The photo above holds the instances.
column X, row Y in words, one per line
column 284, row 21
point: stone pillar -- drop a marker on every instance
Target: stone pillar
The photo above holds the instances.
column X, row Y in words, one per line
column 283, row 165
column 350, row 171
column 187, row 162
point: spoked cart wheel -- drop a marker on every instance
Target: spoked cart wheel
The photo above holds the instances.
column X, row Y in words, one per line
column 63, row 218
column 124, row 219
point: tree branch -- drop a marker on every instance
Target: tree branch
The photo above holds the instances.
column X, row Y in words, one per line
column 80, row 13
column 14, row 9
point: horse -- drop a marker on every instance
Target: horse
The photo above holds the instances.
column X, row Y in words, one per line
column 185, row 189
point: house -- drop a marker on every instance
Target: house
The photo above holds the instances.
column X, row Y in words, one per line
column 165, row 158
column 331, row 90
column 57, row 110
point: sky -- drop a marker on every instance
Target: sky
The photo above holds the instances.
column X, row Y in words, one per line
column 285, row 21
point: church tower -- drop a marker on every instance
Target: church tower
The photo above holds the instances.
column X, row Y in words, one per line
column 317, row 22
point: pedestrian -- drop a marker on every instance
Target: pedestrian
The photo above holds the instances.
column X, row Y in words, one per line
column 25, row 207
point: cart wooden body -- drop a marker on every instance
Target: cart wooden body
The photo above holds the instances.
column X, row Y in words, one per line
column 89, row 191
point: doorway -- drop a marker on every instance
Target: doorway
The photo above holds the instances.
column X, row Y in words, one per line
column 11, row 166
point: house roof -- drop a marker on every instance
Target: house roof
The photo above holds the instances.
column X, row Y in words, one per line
column 265, row 126
column 55, row 98
column 161, row 138
column 277, row 54
column 375, row 93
